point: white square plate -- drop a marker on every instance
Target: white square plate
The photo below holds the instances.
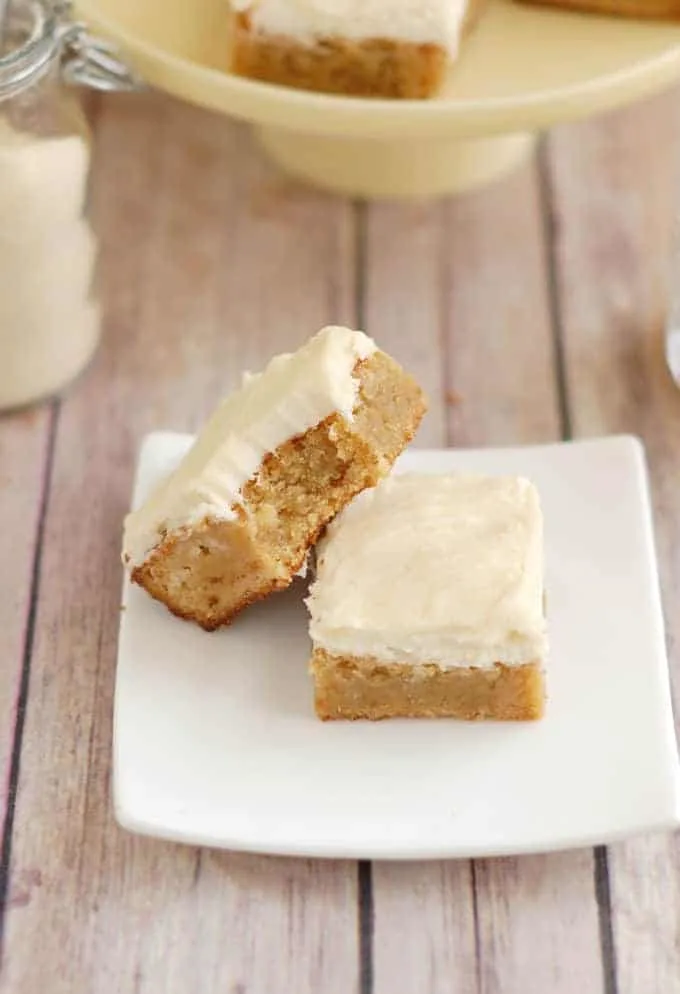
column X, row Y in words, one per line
column 216, row 742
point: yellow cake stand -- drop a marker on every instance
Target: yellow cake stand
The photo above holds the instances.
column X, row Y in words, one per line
column 523, row 69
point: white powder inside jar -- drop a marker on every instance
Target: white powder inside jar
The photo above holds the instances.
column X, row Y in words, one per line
column 49, row 322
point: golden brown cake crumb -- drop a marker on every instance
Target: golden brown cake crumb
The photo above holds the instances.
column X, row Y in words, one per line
column 374, row 68
column 352, row 687
column 368, row 67
column 209, row 571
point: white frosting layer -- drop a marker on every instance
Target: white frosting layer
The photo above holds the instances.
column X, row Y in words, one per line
column 440, row 569
column 293, row 394
column 420, row 21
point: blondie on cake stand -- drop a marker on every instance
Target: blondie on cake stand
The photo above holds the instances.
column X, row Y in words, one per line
column 523, row 69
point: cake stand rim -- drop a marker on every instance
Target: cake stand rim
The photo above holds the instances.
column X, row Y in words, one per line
column 269, row 105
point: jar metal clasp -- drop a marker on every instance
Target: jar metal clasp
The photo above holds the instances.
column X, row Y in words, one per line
column 90, row 61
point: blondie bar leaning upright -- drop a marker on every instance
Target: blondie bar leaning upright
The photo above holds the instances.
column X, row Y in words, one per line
column 428, row 602
column 372, row 48
column 273, row 465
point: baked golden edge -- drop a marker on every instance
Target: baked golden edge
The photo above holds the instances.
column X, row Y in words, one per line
column 375, row 371
column 355, row 687
column 643, row 9
column 374, row 67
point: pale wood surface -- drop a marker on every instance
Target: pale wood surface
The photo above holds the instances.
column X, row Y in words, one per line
column 25, row 444
column 529, row 311
column 615, row 216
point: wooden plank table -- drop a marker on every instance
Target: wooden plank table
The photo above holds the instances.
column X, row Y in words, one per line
column 530, row 311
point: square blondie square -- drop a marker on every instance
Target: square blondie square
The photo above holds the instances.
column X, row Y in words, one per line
column 278, row 459
column 346, row 49
column 428, row 602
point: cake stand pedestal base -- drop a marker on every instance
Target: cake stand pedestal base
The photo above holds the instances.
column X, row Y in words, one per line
column 403, row 169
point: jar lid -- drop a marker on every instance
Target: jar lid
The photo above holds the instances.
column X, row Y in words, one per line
column 30, row 46
column 38, row 34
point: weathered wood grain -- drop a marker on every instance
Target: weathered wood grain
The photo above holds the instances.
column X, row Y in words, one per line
column 465, row 288
column 24, row 444
column 538, row 925
column 401, row 298
column 617, row 199
column 496, row 322
column 210, row 265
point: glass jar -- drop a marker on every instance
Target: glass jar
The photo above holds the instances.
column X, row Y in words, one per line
column 49, row 315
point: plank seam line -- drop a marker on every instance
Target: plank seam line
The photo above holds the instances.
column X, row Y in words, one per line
column 604, row 909
column 547, row 195
column 364, row 869
column 360, row 263
column 546, row 192
column 476, row 925
column 445, row 328
column 29, row 639
column 366, row 927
